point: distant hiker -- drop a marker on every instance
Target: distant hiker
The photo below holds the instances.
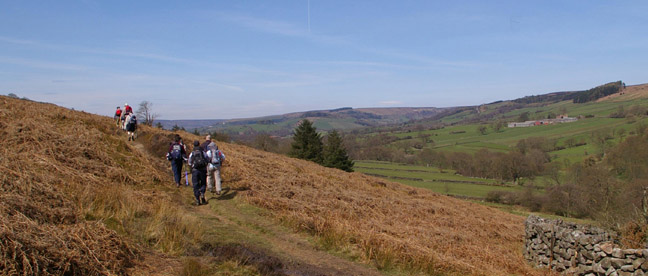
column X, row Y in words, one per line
column 204, row 145
column 198, row 163
column 216, row 159
column 122, row 124
column 125, row 119
column 177, row 154
column 128, row 109
column 131, row 126
column 118, row 114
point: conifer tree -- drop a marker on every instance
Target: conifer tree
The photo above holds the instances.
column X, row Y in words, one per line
column 307, row 143
column 335, row 155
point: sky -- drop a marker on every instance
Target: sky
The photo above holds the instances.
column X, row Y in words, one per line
column 240, row 59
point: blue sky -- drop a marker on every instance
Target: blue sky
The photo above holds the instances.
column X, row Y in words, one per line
column 235, row 59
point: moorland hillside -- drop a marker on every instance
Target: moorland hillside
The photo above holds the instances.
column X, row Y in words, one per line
column 78, row 199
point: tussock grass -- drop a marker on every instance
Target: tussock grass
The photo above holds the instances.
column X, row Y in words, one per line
column 74, row 195
column 78, row 199
column 394, row 226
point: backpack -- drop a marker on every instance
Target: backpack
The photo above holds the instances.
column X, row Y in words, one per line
column 133, row 120
column 176, row 152
column 198, row 161
column 216, row 157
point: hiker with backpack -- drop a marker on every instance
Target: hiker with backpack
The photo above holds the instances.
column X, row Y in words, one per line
column 216, row 159
column 198, row 163
column 128, row 109
column 131, row 126
column 177, row 155
column 118, row 114
column 204, row 144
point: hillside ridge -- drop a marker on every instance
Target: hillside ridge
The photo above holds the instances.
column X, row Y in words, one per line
column 100, row 176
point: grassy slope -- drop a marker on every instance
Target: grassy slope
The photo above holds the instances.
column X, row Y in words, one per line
column 125, row 189
column 466, row 138
column 446, row 182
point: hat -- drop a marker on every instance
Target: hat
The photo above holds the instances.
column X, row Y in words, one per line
column 126, row 104
column 208, row 137
column 118, row 107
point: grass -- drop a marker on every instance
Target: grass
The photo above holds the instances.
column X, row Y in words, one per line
column 63, row 200
column 443, row 182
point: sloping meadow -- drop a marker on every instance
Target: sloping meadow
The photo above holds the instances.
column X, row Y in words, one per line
column 390, row 224
column 66, row 176
column 77, row 199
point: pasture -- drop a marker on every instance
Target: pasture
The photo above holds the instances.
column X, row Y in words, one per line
column 440, row 181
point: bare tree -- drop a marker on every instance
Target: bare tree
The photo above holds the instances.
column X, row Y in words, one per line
column 145, row 111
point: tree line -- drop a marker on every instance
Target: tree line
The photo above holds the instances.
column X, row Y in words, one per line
column 307, row 144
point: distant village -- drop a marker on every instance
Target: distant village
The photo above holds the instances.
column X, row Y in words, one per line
column 557, row 120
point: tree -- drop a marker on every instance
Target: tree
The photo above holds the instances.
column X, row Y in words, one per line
column 482, row 130
column 335, row 155
column 12, row 95
column 159, row 125
column 145, row 111
column 221, row 136
column 307, row 143
column 175, row 127
column 524, row 116
column 265, row 142
column 195, row 132
column 498, row 125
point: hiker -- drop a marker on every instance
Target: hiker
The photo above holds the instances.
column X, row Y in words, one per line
column 128, row 109
column 122, row 120
column 131, row 126
column 216, row 159
column 204, row 145
column 118, row 114
column 177, row 154
column 125, row 120
column 198, row 163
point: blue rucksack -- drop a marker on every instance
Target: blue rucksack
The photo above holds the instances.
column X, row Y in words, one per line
column 176, row 152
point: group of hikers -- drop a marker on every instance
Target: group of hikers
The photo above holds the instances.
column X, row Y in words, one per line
column 126, row 120
column 205, row 161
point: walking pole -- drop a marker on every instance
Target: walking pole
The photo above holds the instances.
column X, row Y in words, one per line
column 186, row 177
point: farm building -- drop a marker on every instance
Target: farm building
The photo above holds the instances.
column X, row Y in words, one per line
column 560, row 119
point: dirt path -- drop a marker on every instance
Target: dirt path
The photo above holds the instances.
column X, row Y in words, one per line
column 241, row 231
column 227, row 217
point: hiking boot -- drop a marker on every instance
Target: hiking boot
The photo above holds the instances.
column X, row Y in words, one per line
column 197, row 202
column 218, row 192
column 202, row 199
column 177, row 185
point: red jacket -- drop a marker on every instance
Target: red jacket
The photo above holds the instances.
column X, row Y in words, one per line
column 118, row 113
column 129, row 109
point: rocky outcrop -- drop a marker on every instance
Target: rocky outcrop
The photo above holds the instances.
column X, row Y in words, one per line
column 580, row 250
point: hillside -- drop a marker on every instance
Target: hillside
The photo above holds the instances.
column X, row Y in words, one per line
column 325, row 120
column 78, row 199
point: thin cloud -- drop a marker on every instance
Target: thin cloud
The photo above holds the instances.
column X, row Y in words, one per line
column 42, row 64
column 16, row 41
column 280, row 28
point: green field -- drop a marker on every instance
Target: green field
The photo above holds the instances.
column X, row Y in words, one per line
column 440, row 181
column 468, row 139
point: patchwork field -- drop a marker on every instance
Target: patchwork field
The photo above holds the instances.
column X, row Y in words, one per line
column 440, row 181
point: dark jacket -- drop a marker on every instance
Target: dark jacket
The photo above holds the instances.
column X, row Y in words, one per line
column 183, row 152
column 204, row 145
column 190, row 161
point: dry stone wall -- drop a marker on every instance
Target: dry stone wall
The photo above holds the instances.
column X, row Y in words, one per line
column 580, row 250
